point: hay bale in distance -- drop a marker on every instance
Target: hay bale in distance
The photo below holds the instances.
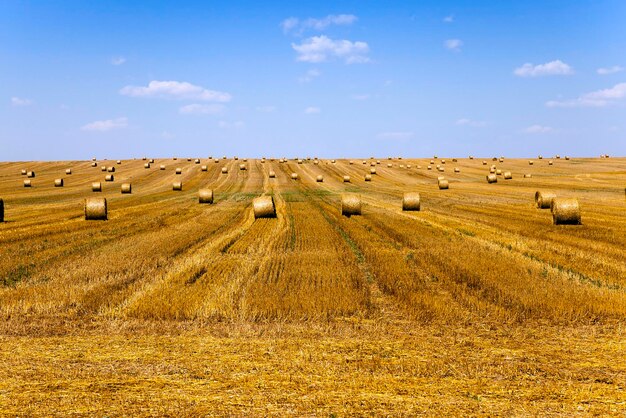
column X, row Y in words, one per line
column 179, row 170
column 205, row 196
column 58, row 182
column 103, row 168
column 507, row 175
column 68, row 171
column 411, row 201
column 224, row 170
column 527, row 176
column 319, row 179
column 350, row 204
column 27, row 183
column 96, row 186
column 109, row 177
column 443, row 184
column 111, row 169
column 368, row 177
column 162, row 167
column 457, row 170
column 565, row 211
column 23, row 172
column 197, row 161
column 294, row 176
column 498, row 172
column 127, row 188
column 550, row 162
column 177, row 186
column 146, row 165
column 242, row 167
column 263, row 207
column 151, row 161
column 492, row 178
column 543, row 199
column 346, row 179
column 272, row 174
column 429, row 168
column 204, row 168
column 372, row 171
column 484, row 162
column 94, row 164
column 531, row 162
column 119, row 161
column 30, row 174
column 96, row 209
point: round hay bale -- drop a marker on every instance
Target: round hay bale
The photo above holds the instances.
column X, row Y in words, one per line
column 272, row 174
column 558, row 157
column 96, row 209
column 372, row 171
column 294, row 176
column 471, row 157
column 1, row 210
column 177, row 186
column 23, row 172
column 119, row 161
column 224, row 170
column 389, row 165
column 501, row 160
column 30, row 174
column 443, row 161
column 411, row 201
column 316, row 162
column 550, row 162
column 103, row 168
column 540, row 157
column 457, row 170
column 364, row 162
column 179, row 170
column 441, row 169
column 162, row 167
column 58, row 182
column 151, row 161
column 565, row 211
column 127, row 188
column 197, row 161
column 377, row 162
column 527, row 176
column 507, row 175
column 408, row 166
column 443, row 184
column 333, row 161
column 235, row 158
column 368, row 177
column 350, row 204
column 144, row 158
column 263, row 207
column 111, row 169
column 492, row 178
column 401, row 165
column 454, row 160
column 242, row 167
column 27, row 183
column 544, row 199
column 204, row 168
column 109, row 177
column 429, row 168
column 531, row 162
column 96, row 186
column 205, row 196
column 319, row 179
column 146, row 165
column 498, row 172
column 492, row 170
column 300, row 161
column 440, row 178
column 223, row 157
column 566, row 158
column 484, row 162
column 94, row 159
column 94, row 164
column 346, row 179
column 216, row 161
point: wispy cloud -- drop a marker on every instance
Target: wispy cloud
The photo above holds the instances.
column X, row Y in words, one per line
column 293, row 24
column 471, row 123
column 118, row 60
column 310, row 76
column 18, row 101
column 448, row 19
column 599, row 98
column 397, row 135
column 179, row 90
column 322, row 48
column 556, row 67
column 453, row 44
column 231, row 125
column 266, row 109
column 106, row 125
column 361, row 97
column 538, row 129
column 610, row 70
column 312, row 110
column 202, row 109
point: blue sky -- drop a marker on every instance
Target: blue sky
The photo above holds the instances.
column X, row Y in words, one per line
column 123, row 79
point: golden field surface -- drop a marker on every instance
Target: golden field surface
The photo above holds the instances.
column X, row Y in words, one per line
column 475, row 305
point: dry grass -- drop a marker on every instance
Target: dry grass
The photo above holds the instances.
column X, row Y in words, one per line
column 475, row 305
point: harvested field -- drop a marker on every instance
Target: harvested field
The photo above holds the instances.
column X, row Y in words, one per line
column 477, row 304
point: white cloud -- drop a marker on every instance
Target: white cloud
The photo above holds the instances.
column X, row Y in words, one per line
column 228, row 125
column 118, row 60
column 311, row 110
column 266, row 109
column 310, row 75
column 361, row 96
column 201, row 109
column 395, row 135
column 453, row 44
column 610, row 70
column 17, row 101
column 538, row 129
column 299, row 26
column 470, row 122
column 448, row 19
column 106, row 125
column 556, row 67
column 322, row 48
column 180, row 90
column 600, row 98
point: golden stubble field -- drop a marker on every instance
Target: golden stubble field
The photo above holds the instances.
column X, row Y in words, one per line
column 475, row 305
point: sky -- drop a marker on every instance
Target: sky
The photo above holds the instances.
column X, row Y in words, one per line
column 121, row 79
